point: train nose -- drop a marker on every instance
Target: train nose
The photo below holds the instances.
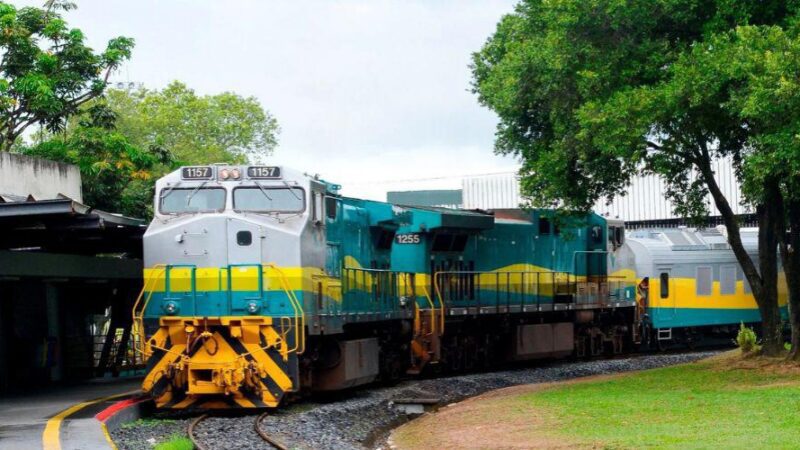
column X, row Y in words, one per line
column 219, row 363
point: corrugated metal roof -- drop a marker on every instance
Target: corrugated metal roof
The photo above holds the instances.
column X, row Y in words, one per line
column 66, row 226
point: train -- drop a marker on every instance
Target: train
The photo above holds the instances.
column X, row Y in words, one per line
column 263, row 284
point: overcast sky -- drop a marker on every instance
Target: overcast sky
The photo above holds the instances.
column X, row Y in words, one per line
column 365, row 91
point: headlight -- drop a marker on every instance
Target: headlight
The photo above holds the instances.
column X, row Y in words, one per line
column 224, row 174
column 171, row 308
column 253, row 307
column 235, row 174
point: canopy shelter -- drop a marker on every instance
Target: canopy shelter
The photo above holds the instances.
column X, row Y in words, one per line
column 68, row 277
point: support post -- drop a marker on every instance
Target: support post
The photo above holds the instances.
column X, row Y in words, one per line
column 54, row 331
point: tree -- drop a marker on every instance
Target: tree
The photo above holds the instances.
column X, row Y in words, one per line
column 46, row 70
column 117, row 176
column 196, row 129
column 591, row 92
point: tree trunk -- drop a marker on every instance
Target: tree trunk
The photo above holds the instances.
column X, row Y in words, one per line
column 764, row 284
column 790, row 256
column 769, row 224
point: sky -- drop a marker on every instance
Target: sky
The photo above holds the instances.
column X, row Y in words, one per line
column 367, row 92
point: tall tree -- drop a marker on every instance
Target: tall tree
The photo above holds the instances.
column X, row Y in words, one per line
column 590, row 92
column 46, row 69
column 116, row 175
column 197, row 129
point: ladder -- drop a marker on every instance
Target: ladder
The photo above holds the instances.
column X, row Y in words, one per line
column 426, row 345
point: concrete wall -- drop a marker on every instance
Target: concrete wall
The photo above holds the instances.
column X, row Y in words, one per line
column 22, row 175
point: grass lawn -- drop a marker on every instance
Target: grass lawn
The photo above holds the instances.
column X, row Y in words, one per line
column 176, row 443
column 724, row 402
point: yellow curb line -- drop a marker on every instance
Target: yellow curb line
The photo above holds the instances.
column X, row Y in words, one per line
column 51, row 439
column 108, row 436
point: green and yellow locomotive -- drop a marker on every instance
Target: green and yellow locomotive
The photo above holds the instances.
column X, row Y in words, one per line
column 263, row 283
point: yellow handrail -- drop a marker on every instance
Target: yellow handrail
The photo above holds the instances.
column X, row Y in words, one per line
column 433, row 312
column 406, row 284
column 439, row 296
column 299, row 314
column 138, row 322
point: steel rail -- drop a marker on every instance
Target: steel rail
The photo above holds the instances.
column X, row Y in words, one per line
column 190, row 431
column 269, row 439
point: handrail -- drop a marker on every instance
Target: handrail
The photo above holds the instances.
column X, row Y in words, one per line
column 139, row 322
column 553, row 274
column 585, row 252
column 299, row 314
column 433, row 311
column 438, row 291
column 229, row 279
column 433, row 308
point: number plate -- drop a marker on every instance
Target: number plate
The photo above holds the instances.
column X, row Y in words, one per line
column 196, row 173
column 263, row 172
column 409, row 238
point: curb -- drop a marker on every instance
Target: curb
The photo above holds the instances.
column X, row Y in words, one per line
column 124, row 411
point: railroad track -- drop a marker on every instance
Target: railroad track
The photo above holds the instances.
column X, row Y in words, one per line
column 360, row 419
column 198, row 445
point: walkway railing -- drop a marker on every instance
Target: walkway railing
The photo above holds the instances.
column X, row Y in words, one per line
column 504, row 288
column 294, row 324
column 364, row 289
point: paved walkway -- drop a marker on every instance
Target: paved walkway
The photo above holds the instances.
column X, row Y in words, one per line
column 61, row 418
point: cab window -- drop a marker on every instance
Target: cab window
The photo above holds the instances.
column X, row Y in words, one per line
column 616, row 235
column 191, row 200
column 269, row 199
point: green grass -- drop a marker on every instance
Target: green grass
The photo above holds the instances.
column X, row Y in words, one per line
column 147, row 423
column 176, row 442
column 700, row 405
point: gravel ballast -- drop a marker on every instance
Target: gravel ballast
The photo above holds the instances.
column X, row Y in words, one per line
column 361, row 418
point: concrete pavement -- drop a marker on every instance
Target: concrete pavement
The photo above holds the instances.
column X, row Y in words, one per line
column 61, row 418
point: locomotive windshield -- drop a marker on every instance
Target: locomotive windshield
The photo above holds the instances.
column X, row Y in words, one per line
column 191, row 200
column 269, row 199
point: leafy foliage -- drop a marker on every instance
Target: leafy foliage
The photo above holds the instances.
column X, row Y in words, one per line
column 47, row 71
column 196, row 129
column 746, row 339
column 591, row 92
column 117, row 175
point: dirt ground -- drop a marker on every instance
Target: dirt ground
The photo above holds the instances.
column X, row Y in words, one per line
column 472, row 424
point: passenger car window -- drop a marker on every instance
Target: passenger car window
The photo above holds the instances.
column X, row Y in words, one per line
column 727, row 280
column 269, row 199
column 664, row 282
column 191, row 200
column 619, row 235
column 747, row 288
column 703, row 280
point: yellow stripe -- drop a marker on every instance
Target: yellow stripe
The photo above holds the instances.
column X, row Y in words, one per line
column 51, row 439
column 243, row 278
column 108, row 436
column 683, row 294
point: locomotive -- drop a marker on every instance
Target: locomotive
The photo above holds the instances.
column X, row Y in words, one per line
column 262, row 283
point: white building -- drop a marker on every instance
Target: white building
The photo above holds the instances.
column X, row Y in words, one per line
column 644, row 200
